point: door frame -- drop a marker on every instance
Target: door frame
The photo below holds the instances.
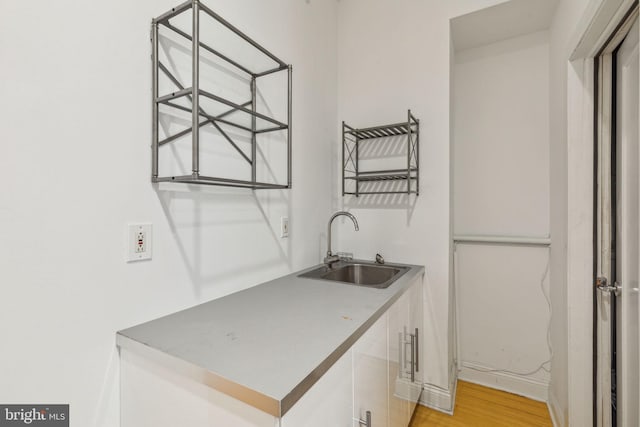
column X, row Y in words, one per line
column 599, row 21
column 605, row 214
column 627, row 176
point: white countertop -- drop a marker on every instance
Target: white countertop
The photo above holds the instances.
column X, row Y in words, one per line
column 266, row 345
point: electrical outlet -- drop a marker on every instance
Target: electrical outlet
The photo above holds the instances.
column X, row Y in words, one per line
column 139, row 242
column 284, row 226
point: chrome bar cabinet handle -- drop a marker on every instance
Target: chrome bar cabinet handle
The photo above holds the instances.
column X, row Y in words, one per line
column 413, row 353
column 367, row 421
column 417, row 334
column 400, row 355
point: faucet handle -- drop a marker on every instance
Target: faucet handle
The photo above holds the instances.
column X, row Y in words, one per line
column 345, row 256
column 379, row 259
column 330, row 259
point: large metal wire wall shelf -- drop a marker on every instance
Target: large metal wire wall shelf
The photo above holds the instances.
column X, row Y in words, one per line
column 373, row 145
column 239, row 123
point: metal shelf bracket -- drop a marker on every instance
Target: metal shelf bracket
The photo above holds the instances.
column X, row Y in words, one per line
column 192, row 99
column 356, row 181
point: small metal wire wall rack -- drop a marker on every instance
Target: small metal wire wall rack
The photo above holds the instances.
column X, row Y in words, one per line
column 195, row 97
column 398, row 139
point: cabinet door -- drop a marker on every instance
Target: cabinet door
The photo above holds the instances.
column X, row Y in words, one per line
column 415, row 328
column 370, row 375
column 398, row 391
column 328, row 403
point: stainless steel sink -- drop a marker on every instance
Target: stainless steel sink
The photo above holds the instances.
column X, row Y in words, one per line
column 358, row 273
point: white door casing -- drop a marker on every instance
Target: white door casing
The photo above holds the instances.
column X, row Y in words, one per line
column 628, row 230
column 608, row 262
column 604, row 240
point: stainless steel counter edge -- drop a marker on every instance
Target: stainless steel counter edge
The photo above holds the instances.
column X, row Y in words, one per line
column 200, row 375
column 265, row 403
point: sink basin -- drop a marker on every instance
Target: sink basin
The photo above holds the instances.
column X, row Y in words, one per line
column 357, row 273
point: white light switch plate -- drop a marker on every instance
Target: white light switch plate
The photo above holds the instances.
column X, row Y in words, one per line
column 139, row 242
column 284, row 226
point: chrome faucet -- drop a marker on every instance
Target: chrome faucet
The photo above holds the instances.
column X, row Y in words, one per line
column 330, row 258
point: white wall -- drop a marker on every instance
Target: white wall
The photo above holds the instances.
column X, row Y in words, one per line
column 501, row 119
column 501, row 188
column 393, row 56
column 75, row 109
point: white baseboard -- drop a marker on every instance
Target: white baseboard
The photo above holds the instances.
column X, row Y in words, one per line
column 437, row 398
column 557, row 415
column 524, row 386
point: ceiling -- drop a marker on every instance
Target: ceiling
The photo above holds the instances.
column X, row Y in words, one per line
column 506, row 20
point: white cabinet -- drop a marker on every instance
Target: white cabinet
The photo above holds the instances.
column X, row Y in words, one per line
column 370, row 367
column 387, row 376
column 416, row 311
column 398, row 387
column 405, row 347
column 329, row 402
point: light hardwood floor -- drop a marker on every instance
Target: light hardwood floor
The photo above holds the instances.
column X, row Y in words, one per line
column 479, row 406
